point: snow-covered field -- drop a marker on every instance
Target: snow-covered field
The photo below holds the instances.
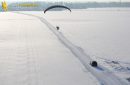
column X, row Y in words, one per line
column 102, row 33
column 31, row 53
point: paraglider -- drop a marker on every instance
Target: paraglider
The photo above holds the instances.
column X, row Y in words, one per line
column 57, row 27
column 56, row 6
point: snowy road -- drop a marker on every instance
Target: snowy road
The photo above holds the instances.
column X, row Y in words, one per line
column 30, row 54
column 102, row 74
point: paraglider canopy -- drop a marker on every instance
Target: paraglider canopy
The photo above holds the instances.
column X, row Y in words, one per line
column 56, row 6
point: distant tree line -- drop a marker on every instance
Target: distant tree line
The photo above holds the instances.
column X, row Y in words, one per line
column 16, row 6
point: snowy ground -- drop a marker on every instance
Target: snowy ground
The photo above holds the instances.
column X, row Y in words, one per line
column 31, row 52
column 102, row 33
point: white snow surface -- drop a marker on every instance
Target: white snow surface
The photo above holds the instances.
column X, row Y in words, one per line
column 33, row 53
column 101, row 33
column 30, row 54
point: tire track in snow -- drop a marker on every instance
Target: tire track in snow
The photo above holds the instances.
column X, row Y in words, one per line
column 15, row 63
column 104, row 76
column 26, row 60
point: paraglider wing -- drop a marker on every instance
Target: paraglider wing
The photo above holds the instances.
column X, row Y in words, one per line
column 57, row 6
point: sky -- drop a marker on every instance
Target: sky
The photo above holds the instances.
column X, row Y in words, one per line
column 73, row 0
